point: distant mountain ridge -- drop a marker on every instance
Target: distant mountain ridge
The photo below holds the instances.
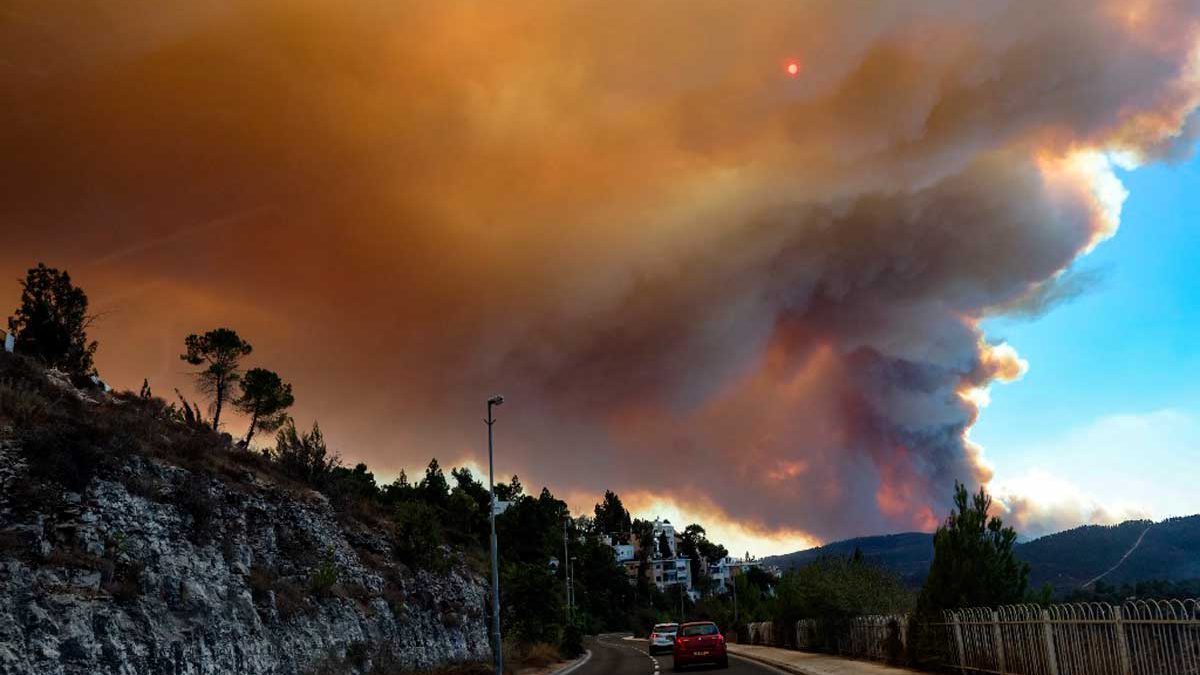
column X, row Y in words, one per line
column 908, row 554
column 1168, row 550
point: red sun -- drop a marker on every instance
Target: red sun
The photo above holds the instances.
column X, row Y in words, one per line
column 792, row 68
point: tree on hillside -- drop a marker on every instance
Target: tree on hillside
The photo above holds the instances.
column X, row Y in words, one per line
column 433, row 488
column 973, row 560
column 664, row 546
column 265, row 398
column 694, row 545
column 510, row 492
column 220, row 353
column 51, row 323
column 643, row 530
column 304, row 455
column 398, row 491
column 611, row 516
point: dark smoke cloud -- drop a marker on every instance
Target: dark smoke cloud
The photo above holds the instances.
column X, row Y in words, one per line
column 694, row 277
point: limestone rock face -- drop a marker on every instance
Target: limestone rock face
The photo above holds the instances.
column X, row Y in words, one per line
column 164, row 570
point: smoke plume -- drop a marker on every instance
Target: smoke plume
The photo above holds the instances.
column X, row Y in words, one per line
column 694, row 276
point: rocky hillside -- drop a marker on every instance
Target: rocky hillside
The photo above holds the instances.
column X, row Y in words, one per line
column 134, row 543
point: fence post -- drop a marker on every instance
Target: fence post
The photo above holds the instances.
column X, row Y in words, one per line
column 1122, row 645
column 999, row 640
column 958, row 640
column 1048, row 641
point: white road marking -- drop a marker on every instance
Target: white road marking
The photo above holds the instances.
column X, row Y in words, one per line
column 587, row 655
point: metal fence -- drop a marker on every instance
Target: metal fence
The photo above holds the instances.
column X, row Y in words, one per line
column 878, row 638
column 1144, row 637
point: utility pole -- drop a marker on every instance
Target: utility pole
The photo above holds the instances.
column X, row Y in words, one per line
column 497, row 657
column 566, row 573
column 735, row 609
column 571, row 587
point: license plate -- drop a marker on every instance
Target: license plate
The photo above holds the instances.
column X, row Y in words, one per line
column 699, row 653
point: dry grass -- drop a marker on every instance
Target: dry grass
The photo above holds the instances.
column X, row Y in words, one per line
column 539, row 655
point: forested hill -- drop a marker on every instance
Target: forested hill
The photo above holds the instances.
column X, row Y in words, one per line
column 907, row 554
column 1169, row 551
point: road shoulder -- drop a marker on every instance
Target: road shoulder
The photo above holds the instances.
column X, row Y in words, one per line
column 807, row 663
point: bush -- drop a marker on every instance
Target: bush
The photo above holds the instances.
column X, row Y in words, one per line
column 572, row 641
column 540, row 655
column 23, row 404
column 419, row 536
column 65, row 453
column 323, row 579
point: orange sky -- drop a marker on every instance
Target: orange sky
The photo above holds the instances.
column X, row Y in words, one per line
column 694, row 276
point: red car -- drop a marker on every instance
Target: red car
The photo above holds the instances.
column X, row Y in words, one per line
column 700, row 642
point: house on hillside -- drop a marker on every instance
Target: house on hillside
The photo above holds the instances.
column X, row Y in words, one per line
column 664, row 527
column 667, row 573
column 723, row 571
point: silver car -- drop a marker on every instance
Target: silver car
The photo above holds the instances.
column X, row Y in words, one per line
column 662, row 638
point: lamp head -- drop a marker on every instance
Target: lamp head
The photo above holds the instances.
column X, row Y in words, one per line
column 496, row 400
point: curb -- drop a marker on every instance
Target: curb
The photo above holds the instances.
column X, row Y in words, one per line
column 782, row 667
column 577, row 663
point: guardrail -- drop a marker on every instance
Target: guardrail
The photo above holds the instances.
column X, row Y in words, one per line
column 1142, row 637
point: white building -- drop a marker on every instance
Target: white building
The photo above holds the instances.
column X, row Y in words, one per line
column 662, row 527
column 10, row 341
column 724, row 570
column 669, row 572
column 623, row 552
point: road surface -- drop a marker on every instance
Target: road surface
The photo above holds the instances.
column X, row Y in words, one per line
column 615, row 655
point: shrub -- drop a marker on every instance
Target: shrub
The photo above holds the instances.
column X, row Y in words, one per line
column 323, row 578
column 572, row 641
column 304, row 455
column 22, row 404
column 419, row 536
column 540, row 655
column 65, row 453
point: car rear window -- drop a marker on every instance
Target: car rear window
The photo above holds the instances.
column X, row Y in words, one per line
column 702, row 629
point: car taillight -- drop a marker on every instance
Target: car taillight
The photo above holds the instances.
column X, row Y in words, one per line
column 654, row 636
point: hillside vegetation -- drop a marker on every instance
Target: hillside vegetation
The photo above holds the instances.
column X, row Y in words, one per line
column 1169, row 552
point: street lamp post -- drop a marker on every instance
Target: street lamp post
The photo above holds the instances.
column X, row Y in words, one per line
column 497, row 657
column 571, row 587
column 566, row 571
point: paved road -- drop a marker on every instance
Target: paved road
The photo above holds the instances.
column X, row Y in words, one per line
column 614, row 655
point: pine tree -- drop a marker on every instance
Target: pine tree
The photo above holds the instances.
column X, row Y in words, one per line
column 973, row 560
column 611, row 515
column 51, row 323
column 220, row 351
column 265, row 398
column 664, row 546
